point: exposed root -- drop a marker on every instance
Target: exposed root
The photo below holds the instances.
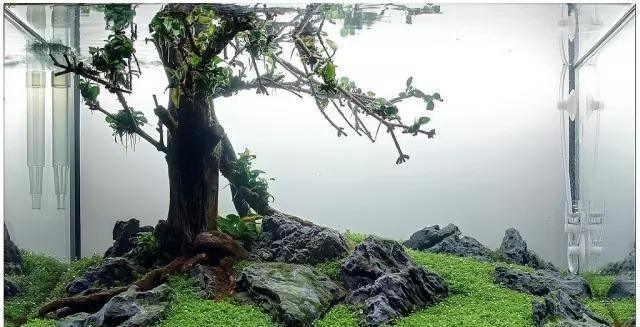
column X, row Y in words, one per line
column 153, row 278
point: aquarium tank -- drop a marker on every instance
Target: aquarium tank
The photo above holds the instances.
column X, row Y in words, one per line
column 319, row 164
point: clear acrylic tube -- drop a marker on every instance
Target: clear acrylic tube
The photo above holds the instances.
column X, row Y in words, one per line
column 35, row 83
column 60, row 109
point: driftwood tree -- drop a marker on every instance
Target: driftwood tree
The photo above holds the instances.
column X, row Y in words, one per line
column 212, row 50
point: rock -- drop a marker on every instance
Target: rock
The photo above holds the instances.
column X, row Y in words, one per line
column 448, row 240
column 124, row 234
column 384, row 281
column 11, row 289
column 218, row 245
column 542, row 282
column 132, row 308
column 205, row 279
column 285, row 239
column 111, row 272
column 514, row 250
column 623, row 286
column 12, row 257
column 561, row 308
column 76, row 320
column 430, row 236
column 626, row 265
column 295, row 295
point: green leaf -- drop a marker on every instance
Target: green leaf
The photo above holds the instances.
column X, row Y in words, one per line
column 332, row 45
column 436, row 96
column 423, row 120
column 175, row 96
column 430, row 105
column 409, row 81
column 329, row 72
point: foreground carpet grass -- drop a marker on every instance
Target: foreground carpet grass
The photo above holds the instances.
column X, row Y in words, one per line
column 474, row 299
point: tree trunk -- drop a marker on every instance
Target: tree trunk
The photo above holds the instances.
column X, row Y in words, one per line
column 193, row 166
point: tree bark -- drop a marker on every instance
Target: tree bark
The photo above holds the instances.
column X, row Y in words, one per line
column 193, row 167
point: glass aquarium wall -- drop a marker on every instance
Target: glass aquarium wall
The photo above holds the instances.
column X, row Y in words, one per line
column 38, row 120
column 606, row 86
column 494, row 163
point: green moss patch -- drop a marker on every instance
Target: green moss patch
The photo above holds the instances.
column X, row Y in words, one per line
column 188, row 309
column 617, row 312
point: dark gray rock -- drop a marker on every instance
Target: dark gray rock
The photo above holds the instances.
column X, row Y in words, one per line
column 76, row 320
column 626, row 265
column 285, row 239
column 206, row 280
column 623, row 286
column 132, row 308
column 383, row 280
column 11, row 289
column 124, row 234
column 111, row 272
column 295, row 295
column 12, row 258
column 561, row 308
column 448, row 240
column 430, row 236
column 514, row 250
column 542, row 282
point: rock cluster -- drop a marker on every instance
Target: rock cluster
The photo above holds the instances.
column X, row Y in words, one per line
column 565, row 311
column 383, row 280
column 111, row 272
column 132, row 308
column 295, row 295
column 448, row 240
column 623, row 286
column 11, row 289
column 542, row 282
column 284, row 239
column 124, row 234
column 12, row 258
column 626, row 265
column 514, row 250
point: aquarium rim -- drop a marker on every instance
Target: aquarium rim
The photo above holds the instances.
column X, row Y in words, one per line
column 75, row 251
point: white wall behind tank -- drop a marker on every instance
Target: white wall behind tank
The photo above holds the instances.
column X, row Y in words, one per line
column 494, row 163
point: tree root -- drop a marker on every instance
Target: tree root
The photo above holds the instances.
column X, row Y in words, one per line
column 150, row 280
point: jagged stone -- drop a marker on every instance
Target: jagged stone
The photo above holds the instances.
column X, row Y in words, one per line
column 11, row 289
column 514, row 250
column 430, row 236
column 12, row 257
column 384, row 281
column 111, row 272
column 124, row 234
column 448, row 240
column 295, row 295
column 626, row 265
column 206, row 280
column 542, row 282
column 132, row 308
column 284, row 239
column 623, row 286
column 561, row 308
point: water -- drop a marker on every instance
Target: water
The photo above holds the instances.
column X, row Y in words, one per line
column 496, row 160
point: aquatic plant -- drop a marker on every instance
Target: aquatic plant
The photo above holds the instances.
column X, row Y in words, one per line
column 210, row 51
column 240, row 228
column 145, row 248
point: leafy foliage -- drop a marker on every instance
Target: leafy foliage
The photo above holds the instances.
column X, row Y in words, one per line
column 43, row 278
column 245, row 175
column 331, row 268
column 240, row 228
column 617, row 312
column 118, row 16
column 145, row 249
column 124, row 124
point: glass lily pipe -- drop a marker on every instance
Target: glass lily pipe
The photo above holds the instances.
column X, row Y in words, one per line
column 584, row 224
